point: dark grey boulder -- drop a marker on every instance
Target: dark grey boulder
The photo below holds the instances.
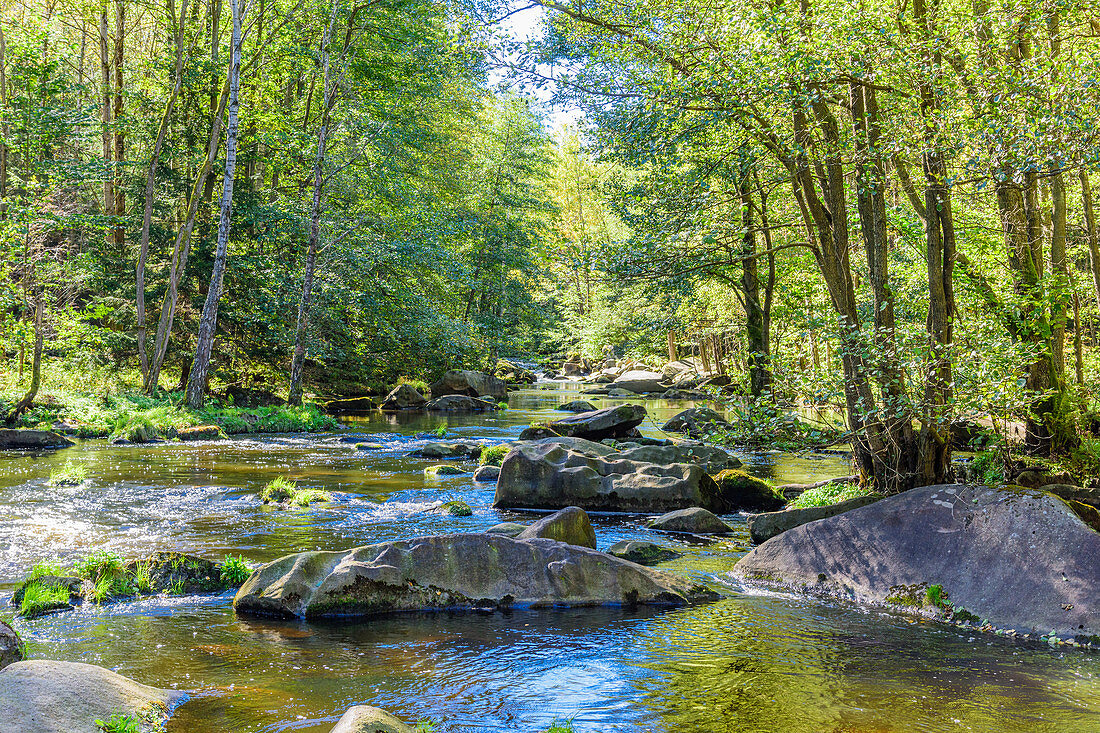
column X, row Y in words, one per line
column 11, row 648
column 41, row 696
column 470, row 384
column 367, row 719
column 570, row 525
column 610, row 422
column 448, row 450
column 508, row 529
column 1019, row 558
column 694, row 520
column 712, row 458
column 32, row 440
column 487, row 474
column 457, row 571
column 553, row 475
column 460, row 403
column 698, row 422
column 642, row 552
column 577, row 406
column 762, row 527
column 403, row 397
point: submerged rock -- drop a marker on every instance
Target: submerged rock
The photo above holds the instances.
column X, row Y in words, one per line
column 457, row 571
column 32, row 440
column 40, row 696
column 460, row 403
column 178, row 573
column 694, row 520
column 403, row 397
column 470, row 384
column 443, row 470
column 762, row 527
column 11, row 648
column 570, row 525
column 698, row 422
column 367, row 719
column 642, row 552
column 1019, row 558
column 552, row 475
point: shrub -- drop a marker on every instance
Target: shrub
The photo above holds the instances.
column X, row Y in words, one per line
column 234, row 571
column 832, row 493
column 989, row 467
column 494, row 455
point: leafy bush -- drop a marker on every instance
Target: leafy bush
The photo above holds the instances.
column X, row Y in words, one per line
column 989, row 467
column 234, row 571
column 758, row 422
column 832, row 493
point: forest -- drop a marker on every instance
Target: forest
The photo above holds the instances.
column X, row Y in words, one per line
column 827, row 257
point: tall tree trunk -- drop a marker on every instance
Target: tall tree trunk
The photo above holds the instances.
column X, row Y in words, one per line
column 105, row 115
column 301, row 331
column 204, row 343
column 150, row 189
column 118, row 234
column 30, row 275
column 4, row 128
column 757, row 357
column 1091, row 234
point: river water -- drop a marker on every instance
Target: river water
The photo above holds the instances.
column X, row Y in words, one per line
column 754, row 662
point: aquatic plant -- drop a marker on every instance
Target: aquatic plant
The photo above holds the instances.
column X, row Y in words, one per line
column 142, row 577
column 937, row 597
column 832, row 493
column 441, row 431
column 112, row 585
column 502, row 405
column 305, row 497
column 97, row 565
column 556, row 727
column 70, row 475
column 426, row 726
column 493, row 455
column 45, row 567
column 119, row 723
column 234, row 571
column 40, row 598
column 278, row 490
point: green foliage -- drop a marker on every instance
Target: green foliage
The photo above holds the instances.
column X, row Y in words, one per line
column 989, row 467
column 40, row 598
column 556, row 727
column 234, row 571
column 305, row 497
column 758, row 422
column 142, row 577
column 51, row 567
column 937, row 597
column 418, row 384
column 832, row 493
column 70, row 475
column 426, row 726
column 278, row 490
column 100, row 564
column 119, row 723
column 493, row 455
column 441, row 431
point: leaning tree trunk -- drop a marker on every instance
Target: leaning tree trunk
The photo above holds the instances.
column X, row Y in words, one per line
column 758, row 358
column 204, row 343
column 301, row 331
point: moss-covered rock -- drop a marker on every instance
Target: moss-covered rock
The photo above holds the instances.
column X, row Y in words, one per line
column 740, row 491
column 443, row 470
column 200, row 432
column 694, row 520
column 570, row 525
column 175, row 573
column 642, row 552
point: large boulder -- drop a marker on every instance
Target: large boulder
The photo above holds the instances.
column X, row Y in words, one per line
column 403, row 397
column 611, row 422
column 570, row 525
column 698, row 422
column 695, row 520
column 11, row 648
column 471, row 384
column 640, row 382
column 712, row 458
column 460, row 403
column 68, row 697
column 32, row 440
column 762, row 527
column 457, row 571
column 1022, row 559
column 368, row 719
column 513, row 373
column 552, row 475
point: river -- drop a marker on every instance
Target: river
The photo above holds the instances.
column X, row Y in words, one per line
column 754, row 662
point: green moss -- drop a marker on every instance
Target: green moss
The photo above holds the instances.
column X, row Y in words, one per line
column 305, row 497
column 494, row 455
column 457, row 508
column 913, row 596
column 829, row 494
column 443, row 470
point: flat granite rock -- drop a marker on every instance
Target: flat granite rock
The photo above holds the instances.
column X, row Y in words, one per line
column 1019, row 558
column 456, row 571
column 68, row 697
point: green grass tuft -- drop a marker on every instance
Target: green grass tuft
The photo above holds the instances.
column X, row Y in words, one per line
column 828, row 495
column 119, row 723
column 305, row 497
column 493, row 455
column 46, row 567
column 71, row 475
column 40, row 598
column 278, row 490
column 234, row 571
column 98, row 564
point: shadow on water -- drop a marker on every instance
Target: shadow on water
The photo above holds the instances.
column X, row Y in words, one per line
column 753, row 662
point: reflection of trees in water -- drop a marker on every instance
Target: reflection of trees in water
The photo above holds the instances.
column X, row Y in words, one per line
column 769, row 664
